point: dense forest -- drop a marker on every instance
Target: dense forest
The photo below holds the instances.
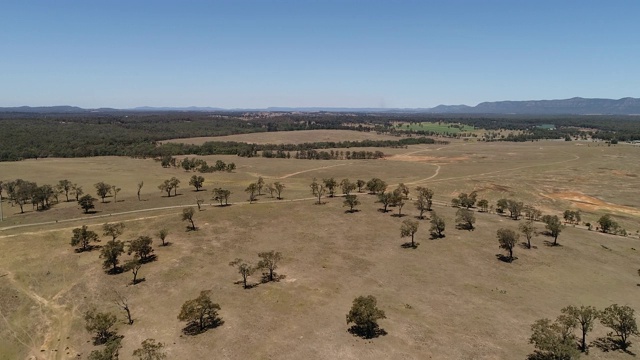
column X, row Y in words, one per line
column 33, row 135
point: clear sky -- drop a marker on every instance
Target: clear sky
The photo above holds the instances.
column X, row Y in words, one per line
column 354, row 53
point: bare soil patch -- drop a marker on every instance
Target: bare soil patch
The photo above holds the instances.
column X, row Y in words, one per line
column 590, row 203
column 290, row 137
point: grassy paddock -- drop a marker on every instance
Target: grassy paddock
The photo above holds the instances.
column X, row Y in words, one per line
column 440, row 128
column 450, row 298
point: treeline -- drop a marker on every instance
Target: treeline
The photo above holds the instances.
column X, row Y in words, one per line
column 27, row 136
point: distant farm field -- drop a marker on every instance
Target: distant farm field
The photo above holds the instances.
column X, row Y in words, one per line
column 291, row 137
column 440, row 128
column 450, row 298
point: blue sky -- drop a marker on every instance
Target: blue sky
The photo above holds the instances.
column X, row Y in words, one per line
column 352, row 53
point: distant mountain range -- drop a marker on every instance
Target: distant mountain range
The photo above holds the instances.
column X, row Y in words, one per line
column 576, row 106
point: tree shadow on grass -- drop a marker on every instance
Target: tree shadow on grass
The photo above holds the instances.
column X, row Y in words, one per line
column 193, row 328
column 138, row 281
column 88, row 249
column 551, row 244
column 383, row 211
column 363, row 333
column 351, row 211
column 149, row 258
column 276, row 278
column 435, row 236
column 249, row 286
column 524, row 245
column 189, row 228
column 505, row 258
column 409, row 245
column 465, row 227
column 115, row 271
column 607, row 344
column 399, row 215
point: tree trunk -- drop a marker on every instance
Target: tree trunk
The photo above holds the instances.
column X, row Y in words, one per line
column 270, row 274
column 412, row 245
column 555, row 240
column 584, row 341
column 529, row 243
column 193, row 226
column 510, row 255
column 126, row 308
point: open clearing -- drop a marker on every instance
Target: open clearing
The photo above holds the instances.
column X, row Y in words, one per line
column 448, row 299
column 290, row 137
column 440, row 128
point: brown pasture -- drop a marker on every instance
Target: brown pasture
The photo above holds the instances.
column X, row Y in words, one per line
column 450, row 298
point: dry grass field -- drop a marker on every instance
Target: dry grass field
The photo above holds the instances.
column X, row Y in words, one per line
column 291, row 137
column 449, row 298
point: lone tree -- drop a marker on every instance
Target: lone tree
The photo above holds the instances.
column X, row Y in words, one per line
column 269, row 261
column 528, row 230
column 515, row 208
column 607, row 224
column 386, row 199
column 86, row 203
column 554, row 226
column 77, row 191
column 252, row 190
column 102, row 189
column 351, row 201
column 187, row 215
column 483, row 204
column 508, row 240
column 122, row 302
column 437, row 226
column 271, row 189
column 140, row 185
column 376, row 186
column 111, row 252
column 584, row 316
column 100, row 325
column 201, row 313
column 622, row 321
column 83, row 236
column 162, row 234
column 424, row 201
column 364, row 314
column 174, row 183
column 166, row 187
column 221, row 195
column 465, row 218
column 64, row 186
column 409, row 228
column 110, row 351
column 115, row 190
column 330, row 184
column 141, row 248
column 397, row 200
column 113, row 230
column 260, row 185
column 317, row 189
column 134, row 266
column 347, row 186
column 196, row 181
column 360, row 184
column 150, row 350
column 553, row 340
column 244, row 269
column 279, row 187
